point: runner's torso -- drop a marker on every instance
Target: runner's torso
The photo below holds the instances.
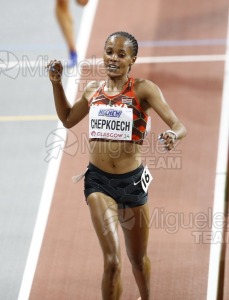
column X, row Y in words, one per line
column 117, row 127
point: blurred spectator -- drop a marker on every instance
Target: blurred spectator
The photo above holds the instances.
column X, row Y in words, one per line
column 65, row 20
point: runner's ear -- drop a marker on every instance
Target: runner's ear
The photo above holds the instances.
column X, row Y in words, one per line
column 133, row 59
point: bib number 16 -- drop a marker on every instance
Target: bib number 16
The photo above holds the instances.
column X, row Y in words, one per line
column 146, row 179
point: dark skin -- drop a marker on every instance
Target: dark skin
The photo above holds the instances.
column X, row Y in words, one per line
column 118, row 59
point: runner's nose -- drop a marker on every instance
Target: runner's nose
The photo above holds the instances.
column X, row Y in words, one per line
column 114, row 57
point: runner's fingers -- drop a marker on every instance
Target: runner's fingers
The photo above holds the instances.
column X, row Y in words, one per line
column 55, row 66
column 169, row 144
column 167, row 139
column 55, row 69
column 168, row 136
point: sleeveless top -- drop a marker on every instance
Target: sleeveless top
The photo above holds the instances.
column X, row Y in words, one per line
column 119, row 117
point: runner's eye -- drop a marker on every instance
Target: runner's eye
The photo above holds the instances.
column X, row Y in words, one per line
column 108, row 52
column 122, row 55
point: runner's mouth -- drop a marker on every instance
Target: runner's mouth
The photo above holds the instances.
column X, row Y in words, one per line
column 112, row 67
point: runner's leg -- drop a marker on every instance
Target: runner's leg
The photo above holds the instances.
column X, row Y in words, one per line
column 65, row 20
column 136, row 240
column 104, row 215
column 82, row 2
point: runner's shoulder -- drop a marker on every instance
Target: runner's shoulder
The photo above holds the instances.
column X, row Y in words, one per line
column 91, row 89
column 93, row 86
column 141, row 82
column 144, row 86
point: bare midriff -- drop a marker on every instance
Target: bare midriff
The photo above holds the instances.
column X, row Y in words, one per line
column 115, row 157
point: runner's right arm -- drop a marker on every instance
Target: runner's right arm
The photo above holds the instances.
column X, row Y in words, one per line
column 68, row 114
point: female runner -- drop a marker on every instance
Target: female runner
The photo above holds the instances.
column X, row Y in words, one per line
column 116, row 182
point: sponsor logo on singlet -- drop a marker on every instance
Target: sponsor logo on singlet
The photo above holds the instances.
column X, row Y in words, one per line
column 110, row 113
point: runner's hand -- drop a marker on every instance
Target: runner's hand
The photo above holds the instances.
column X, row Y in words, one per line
column 168, row 139
column 55, row 69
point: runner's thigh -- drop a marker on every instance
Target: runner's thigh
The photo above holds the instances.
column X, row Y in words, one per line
column 104, row 215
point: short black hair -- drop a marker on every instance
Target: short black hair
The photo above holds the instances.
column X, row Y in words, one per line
column 129, row 37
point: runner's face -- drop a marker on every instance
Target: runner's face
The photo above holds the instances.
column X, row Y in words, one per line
column 117, row 57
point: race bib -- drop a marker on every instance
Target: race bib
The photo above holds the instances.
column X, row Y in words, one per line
column 146, row 179
column 108, row 122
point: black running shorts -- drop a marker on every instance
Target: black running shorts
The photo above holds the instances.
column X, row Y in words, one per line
column 125, row 189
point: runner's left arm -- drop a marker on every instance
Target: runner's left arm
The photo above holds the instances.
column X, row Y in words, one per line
column 152, row 95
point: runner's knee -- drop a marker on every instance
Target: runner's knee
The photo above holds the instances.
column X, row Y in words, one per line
column 139, row 262
column 112, row 265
